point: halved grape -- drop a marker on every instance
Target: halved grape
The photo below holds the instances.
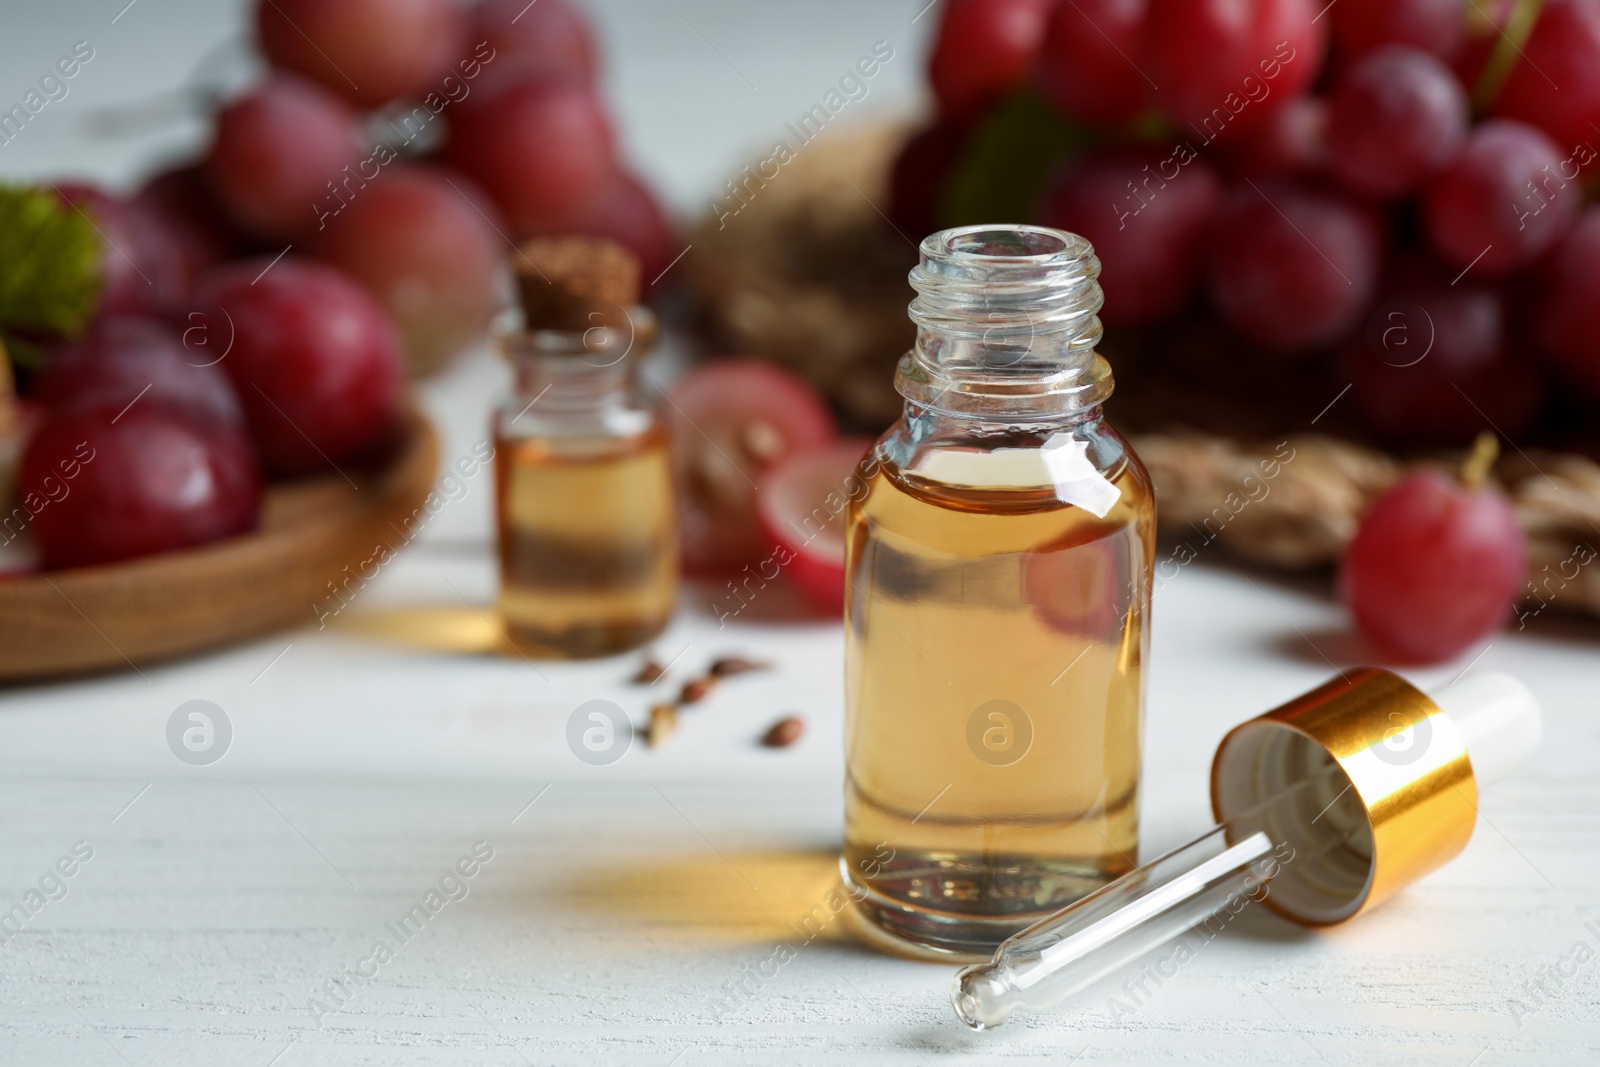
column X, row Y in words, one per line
column 732, row 419
column 802, row 502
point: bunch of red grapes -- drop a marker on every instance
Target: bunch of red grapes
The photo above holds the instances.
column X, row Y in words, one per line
column 352, row 213
column 1388, row 193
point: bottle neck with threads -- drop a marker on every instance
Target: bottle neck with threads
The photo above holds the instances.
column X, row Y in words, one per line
column 1004, row 373
column 1007, row 325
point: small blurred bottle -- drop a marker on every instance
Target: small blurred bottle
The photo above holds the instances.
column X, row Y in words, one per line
column 585, row 509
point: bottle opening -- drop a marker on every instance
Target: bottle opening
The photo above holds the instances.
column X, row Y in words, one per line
column 1012, row 242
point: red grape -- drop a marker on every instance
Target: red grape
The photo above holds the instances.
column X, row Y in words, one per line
column 1145, row 211
column 141, row 267
column 1221, row 61
column 180, row 201
column 1555, row 83
column 1292, row 139
column 539, row 149
column 314, row 358
column 424, row 250
column 1434, row 566
column 1437, row 26
column 105, row 487
column 1087, row 61
column 793, row 500
column 984, row 49
column 732, row 419
column 1504, row 199
column 1434, row 364
column 275, row 152
column 122, row 360
column 550, row 39
column 1398, row 116
column 368, row 51
column 1292, row 267
column 918, row 178
column 624, row 210
column 1566, row 319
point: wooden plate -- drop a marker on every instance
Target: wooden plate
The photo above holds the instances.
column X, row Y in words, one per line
column 129, row 614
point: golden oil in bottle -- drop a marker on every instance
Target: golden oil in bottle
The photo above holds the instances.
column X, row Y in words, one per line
column 588, row 541
column 998, row 563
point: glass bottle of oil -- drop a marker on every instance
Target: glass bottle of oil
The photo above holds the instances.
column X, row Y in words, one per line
column 997, row 613
column 586, row 515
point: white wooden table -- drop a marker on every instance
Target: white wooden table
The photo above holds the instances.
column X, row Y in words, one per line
column 631, row 913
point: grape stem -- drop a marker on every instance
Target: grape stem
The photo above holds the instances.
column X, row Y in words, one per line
column 1475, row 468
column 1518, row 27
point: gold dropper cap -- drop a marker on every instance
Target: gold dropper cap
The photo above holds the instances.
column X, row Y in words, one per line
column 1404, row 758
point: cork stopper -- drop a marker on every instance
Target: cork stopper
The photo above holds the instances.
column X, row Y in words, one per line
column 576, row 283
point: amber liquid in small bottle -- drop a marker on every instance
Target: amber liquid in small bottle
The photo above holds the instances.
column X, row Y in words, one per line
column 588, row 541
column 994, row 666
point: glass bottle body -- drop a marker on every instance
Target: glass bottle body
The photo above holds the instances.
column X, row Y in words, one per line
column 995, row 642
column 998, row 575
column 585, row 510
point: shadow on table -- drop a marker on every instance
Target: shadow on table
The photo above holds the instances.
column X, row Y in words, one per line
column 793, row 897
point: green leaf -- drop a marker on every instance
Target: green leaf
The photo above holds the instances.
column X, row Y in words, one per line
column 50, row 257
column 1006, row 164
